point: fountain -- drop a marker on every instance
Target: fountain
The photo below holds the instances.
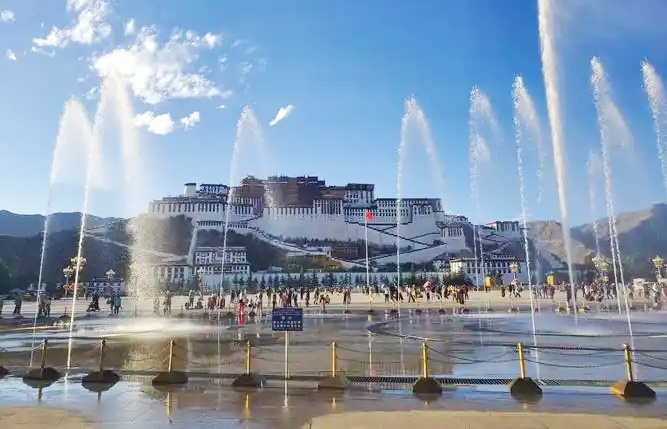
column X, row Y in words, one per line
column 656, row 96
column 525, row 120
column 413, row 117
column 115, row 108
column 550, row 74
column 248, row 131
column 114, row 103
column 480, row 115
column 593, row 168
column 76, row 136
column 73, row 132
column 610, row 122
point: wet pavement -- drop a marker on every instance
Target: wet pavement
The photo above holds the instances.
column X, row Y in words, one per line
column 206, row 403
column 471, row 345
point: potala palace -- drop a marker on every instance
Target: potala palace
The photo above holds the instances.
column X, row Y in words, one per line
column 299, row 214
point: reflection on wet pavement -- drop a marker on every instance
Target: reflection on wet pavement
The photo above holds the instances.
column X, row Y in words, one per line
column 460, row 346
column 205, row 403
column 475, row 345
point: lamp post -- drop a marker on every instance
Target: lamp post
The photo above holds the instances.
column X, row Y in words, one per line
column 67, row 272
column 110, row 275
column 77, row 263
column 602, row 267
column 514, row 268
column 658, row 263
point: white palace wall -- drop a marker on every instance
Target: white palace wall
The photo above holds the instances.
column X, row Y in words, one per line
column 329, row 220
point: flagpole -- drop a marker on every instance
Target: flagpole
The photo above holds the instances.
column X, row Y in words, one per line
column 368, row 283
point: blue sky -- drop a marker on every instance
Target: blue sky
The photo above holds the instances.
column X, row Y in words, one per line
column 346, row 69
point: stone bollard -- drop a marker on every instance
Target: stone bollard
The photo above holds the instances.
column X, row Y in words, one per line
column 426, row 385
column 524, row 388
column 170, row 377
column 249, row 379
column 44, row 374
column 336, row 381
column 103, row 379
column 630, row 389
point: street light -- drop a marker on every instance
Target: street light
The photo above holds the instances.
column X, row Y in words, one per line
column 67, row 272
column 78, row 262
column 602, row 267
column 658, row 263
column 601, row 264
column 514, row 268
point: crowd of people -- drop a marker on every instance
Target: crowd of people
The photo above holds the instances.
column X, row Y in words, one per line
column 245, row 302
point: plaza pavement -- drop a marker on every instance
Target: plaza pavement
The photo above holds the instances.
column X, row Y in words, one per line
column 43, row 417
column 479, row 420
column 360, row 302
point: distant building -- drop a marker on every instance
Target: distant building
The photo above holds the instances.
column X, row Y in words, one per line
column 298, row 214
column 477, row 269
column 508, row 226
column 208, row 264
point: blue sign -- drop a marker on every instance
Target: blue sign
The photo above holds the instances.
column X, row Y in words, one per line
column 287, row 319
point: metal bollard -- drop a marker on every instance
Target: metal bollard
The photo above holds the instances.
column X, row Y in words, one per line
column 248, row 358
column 522, row 360
column 425, row 359
column 45, row 346
column 334, row 359
column 103, row 346
column 628, row 362
column 171, row 356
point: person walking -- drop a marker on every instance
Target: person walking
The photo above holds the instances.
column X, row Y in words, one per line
column 18, row 302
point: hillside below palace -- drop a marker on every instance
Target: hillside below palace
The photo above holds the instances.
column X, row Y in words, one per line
column 288, row 210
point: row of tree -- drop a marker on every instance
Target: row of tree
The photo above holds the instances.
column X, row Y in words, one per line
column 332, row 280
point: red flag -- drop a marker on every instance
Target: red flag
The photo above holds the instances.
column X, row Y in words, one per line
column 369, row 215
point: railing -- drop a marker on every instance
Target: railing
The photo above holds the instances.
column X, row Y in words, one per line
column 346, row 363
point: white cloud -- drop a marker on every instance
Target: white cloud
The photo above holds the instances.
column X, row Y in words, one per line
column 7, row 16
column 11, row 56
column 90, row 25
column 129, row 27
column 250, row 50
column 238, row 43
column 156, row 73
column 223, row 61
column 246, row 67
column 43, row 51
column 92, row 93
column 160, row 124
column 222, row 106
column 191, row 120
column 283, row 113
column 212, row 40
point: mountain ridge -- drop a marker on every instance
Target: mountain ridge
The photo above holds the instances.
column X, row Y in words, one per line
column 642, row 234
